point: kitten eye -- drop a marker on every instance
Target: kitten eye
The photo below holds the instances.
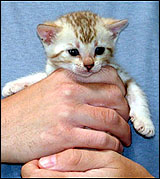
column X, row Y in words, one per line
column 99, row 50
column 73, row 52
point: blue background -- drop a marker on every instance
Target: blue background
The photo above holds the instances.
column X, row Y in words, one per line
column 137, row 51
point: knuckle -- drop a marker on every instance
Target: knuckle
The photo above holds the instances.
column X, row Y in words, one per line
column 103, row 114
column 66, row 111
column 69, row 89
column 103, row 141
column 90, row 141
column 117, row 145
column 109, row 117
column 116, row 92
column 113, row 118
column 75, row 157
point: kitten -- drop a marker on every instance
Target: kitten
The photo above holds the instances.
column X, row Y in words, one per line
column 83, row 42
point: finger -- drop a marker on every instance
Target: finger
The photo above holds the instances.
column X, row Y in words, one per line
column 85, row 138
column 104, row 119
column 94, row 173
column 33, row 170
column 28, row 168
column 106, row 75
column 104, row 95
column 79, row 160
column 108, row 96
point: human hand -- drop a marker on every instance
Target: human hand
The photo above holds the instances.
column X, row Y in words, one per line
column 52, row 115
column 84, row 164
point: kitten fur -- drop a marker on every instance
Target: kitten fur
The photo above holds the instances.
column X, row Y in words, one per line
column 70, row 42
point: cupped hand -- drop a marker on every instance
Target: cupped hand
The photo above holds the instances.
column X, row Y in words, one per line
column 54, row 115
column 84, row 164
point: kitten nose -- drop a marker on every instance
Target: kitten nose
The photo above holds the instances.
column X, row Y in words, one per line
column 89, row 66
column 88, row 63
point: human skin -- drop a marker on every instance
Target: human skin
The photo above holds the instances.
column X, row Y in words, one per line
column 84, row 164
column 54, row 115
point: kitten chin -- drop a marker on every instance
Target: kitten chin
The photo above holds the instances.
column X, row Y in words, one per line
column 83, row 74
column 81, row 71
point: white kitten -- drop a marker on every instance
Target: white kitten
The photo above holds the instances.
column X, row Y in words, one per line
column 83, row 42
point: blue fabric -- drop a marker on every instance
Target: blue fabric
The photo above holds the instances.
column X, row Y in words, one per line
column 137, row 52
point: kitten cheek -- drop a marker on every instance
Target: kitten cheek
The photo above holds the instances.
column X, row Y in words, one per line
column 72, row 67
column 96, row 68
column 76, row 68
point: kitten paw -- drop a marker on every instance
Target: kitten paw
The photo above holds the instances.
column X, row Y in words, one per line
column 144, row 127
column 12, row 88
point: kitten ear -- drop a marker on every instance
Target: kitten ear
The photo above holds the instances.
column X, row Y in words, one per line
column 117, row 26
column 47, row 32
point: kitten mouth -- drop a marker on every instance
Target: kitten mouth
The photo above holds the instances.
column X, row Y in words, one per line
column 83, row 73
column 86, row 74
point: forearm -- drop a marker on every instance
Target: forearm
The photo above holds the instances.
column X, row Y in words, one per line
column 7, row 137
column 15, row 126
column 10, row 135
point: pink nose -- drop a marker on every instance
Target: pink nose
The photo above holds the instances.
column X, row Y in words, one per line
column 89, row 66
column 88, row 63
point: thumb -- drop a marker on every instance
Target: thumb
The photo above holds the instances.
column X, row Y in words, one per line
column 75, row 160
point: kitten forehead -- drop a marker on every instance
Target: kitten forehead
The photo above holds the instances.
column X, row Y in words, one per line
column 84, row 25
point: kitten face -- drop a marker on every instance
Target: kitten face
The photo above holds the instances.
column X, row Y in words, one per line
column 81, row 42
column 69, row 52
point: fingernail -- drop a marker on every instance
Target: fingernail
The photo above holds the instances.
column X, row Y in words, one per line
column 48, row 162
